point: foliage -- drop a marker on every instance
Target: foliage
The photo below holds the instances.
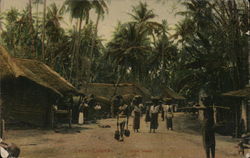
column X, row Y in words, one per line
column 207, row 50
column 213, row 46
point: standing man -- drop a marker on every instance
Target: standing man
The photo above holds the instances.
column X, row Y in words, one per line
column 208, row 129
column 115, row 103
column 122, row 118
column 81, row 113
column 154, row 111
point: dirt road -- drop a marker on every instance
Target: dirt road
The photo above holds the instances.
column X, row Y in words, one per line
column 91, row 141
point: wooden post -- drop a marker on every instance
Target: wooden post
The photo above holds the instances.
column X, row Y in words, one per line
column 52, row 117
column 236, row 122
column 1, row 119
column 2, row 128
column 70, row 118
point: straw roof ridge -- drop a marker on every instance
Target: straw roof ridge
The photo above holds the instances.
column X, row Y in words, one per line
column 35, row 71
column 6, row 64
column 43, row 75
column 169, row 93
column 108, row 89
column 244, row 92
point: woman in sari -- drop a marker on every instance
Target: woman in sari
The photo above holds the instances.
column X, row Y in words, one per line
column 154, row 111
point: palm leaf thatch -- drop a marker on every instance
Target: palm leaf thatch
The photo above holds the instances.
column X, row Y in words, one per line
column 244, row 92
column 127, row 90
column 35, row 71
column 169, row 93
column 6, row 65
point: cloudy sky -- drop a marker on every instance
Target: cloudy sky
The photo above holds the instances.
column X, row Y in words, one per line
column 118, row 9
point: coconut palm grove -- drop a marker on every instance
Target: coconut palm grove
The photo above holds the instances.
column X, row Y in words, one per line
column 165, row 81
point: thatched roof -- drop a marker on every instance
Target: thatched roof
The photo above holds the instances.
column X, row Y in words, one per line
column 107, row 90
column 244, row 92
column 169, row 93
column 6, row 64
column 35, row 71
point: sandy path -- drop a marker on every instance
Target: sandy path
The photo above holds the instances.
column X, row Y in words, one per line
column 96, row 142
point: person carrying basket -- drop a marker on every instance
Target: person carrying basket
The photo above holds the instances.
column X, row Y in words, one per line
column 122, row 121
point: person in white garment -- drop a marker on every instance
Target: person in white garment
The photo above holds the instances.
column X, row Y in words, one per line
column 154, row 111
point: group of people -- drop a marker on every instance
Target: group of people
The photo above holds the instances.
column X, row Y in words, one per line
column 86, row 107
column 165, row 108
column 136, row 110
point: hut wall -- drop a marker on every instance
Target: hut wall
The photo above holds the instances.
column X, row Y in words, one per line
column 244, row 114
column 25, row 101
column 200, row 112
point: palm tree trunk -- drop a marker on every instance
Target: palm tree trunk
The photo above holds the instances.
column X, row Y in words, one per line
column 73, row 55
column 1, row 29
column 94, row 40
column 163, row 61
column 43, row 35
column 87, row 18
column 37, row 14
column 31, row 29
column 78, row 51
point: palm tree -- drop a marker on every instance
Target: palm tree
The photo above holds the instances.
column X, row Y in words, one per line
column 54, row 32
column 78, row 10
column 101, row 8
column 162, row 61
column 128, row 49
column 0, row 13
column 31, row 29
column 54, row 18
column 43, row 32
column 37, row 2
column 144, row 16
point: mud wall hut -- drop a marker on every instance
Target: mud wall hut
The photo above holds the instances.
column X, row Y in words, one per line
column 242, row 111
column 29, row 88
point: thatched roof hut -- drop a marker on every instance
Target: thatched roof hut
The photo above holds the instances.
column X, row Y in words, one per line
column 244, row 92
column 169, row 93
column 45, row 76
column 35, row 71
column 6, row 65
column 29, row 88
column 127, row 90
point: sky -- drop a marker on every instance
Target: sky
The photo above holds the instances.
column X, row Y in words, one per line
column 118, row 11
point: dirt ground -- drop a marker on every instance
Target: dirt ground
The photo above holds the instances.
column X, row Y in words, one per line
column 92, row 141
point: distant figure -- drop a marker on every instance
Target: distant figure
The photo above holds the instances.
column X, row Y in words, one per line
column 167, row 108
column 115, row 103
column 169, row 118
column 81, row 115
column 85, row 111
column 122, row 119
column 97, row 108
column 147, row 117
column 161, row 110
column 154, row 111
column 137, row 113
column 208, row 133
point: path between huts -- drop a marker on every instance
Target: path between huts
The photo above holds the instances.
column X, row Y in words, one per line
column 93, row 141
